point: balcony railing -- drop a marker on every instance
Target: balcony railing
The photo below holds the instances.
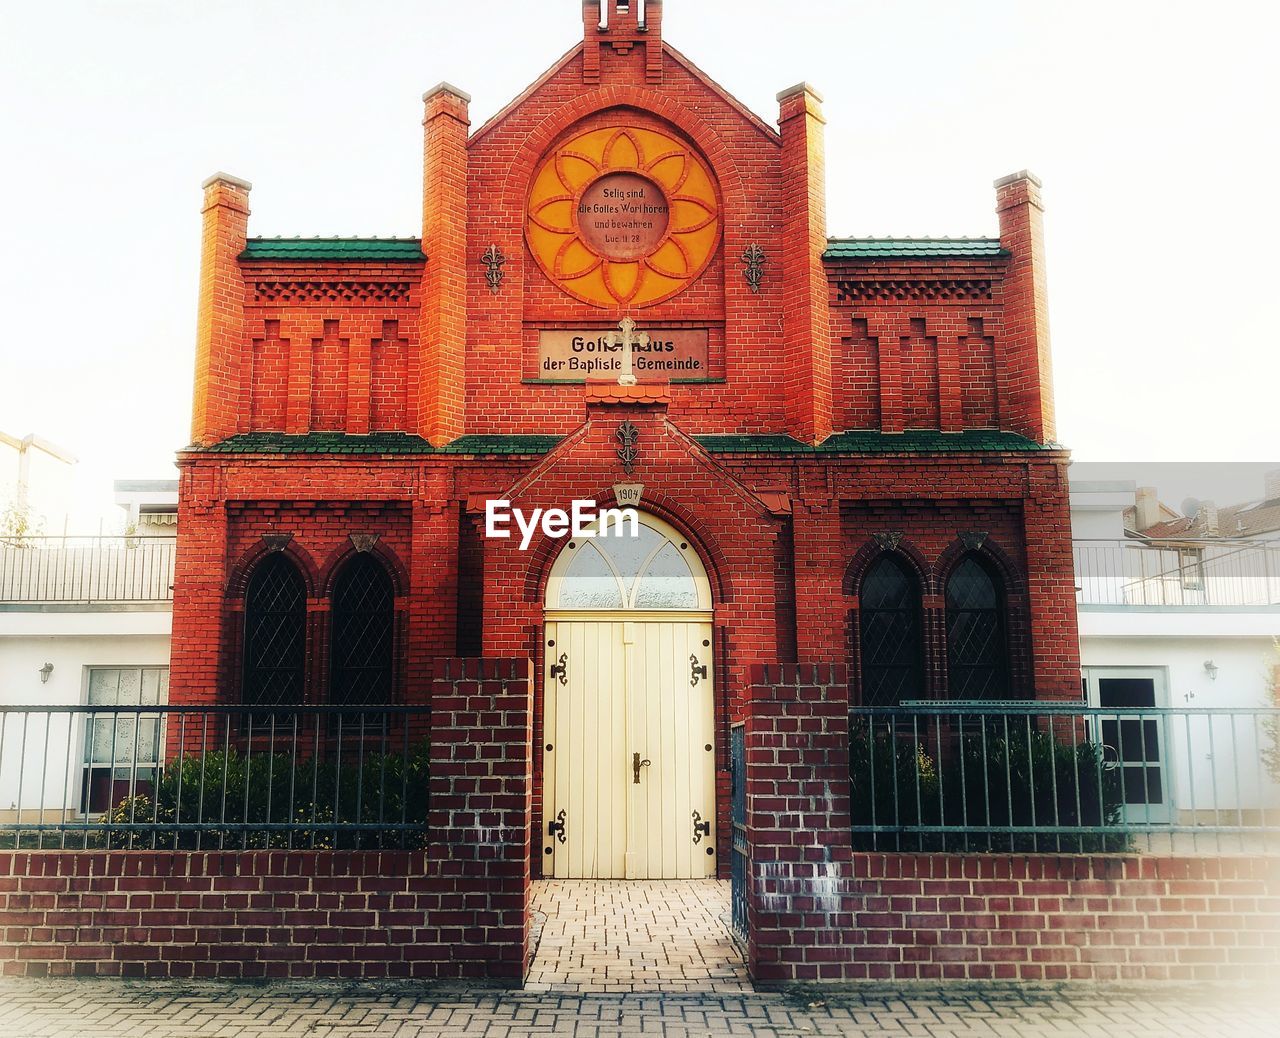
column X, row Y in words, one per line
column 165, row 777
column 87, row 570
column 1027, row 776
column 1193, row 573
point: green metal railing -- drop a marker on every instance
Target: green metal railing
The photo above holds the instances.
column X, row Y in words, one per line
column 1019, row 776
column 162, row 777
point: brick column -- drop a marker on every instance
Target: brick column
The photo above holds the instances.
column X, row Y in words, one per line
column 801, row 910
column 439, row 373
column 198, row 672
column 1026, row 381
column 481, row 805
column 216, row 398
column 820, row 559
column 1051, row 592
column 806, row 310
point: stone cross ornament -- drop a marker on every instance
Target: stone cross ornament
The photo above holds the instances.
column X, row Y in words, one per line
column 627, row 340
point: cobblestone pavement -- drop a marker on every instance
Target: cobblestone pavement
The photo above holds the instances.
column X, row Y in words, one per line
column 634, row 936
column 170, row 1009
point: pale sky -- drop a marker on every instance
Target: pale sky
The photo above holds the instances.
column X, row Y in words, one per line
column 1152, row 125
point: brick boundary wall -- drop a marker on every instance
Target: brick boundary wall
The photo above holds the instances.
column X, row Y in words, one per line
column 457, row 909
column 819, row 912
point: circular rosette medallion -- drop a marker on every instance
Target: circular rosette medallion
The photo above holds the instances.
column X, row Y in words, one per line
column 623, row 217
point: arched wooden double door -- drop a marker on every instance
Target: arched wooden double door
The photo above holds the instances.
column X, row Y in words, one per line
column 628, row 732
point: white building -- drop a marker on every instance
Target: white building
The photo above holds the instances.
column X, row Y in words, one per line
column 1182, row 612
column 83, row 620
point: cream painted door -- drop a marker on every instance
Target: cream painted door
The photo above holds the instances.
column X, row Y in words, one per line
column 585, row 762
column 672, row 724
column 623, row 688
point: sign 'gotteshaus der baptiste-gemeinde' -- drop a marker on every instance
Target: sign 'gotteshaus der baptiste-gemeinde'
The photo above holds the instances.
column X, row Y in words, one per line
column 576, row 356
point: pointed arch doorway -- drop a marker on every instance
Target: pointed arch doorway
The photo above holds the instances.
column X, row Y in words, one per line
column 628, row 724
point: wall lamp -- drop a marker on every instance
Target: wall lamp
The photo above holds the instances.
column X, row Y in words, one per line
column 1211, row 669
column 45, row 671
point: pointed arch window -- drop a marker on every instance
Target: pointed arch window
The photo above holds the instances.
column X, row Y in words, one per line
column 890, row 634
column 275, row 622
column 977, row 648
column 363, row 617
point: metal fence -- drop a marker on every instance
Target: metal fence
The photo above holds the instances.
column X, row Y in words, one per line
column 213, row 777
column 87, row 570
column 740, row 862
column 1183, row 573
column 1065, row 778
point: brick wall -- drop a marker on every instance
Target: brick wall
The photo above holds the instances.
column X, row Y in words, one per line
column 1082, row 917
column 457, row 909
column 821, row 913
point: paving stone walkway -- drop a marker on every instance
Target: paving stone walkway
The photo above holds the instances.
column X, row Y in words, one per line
column 634, row 936
column 169, row 1009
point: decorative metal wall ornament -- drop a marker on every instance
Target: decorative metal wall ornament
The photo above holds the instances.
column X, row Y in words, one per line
column 697, row 671
column 364, row 542
column 493, row 259
column 628, row 453
column 888, row 540
column 557, row 828
column 973, row 539
column 753, row 260
column 700, row 828
column 560, row 670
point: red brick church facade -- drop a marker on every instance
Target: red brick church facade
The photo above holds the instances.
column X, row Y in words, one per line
column 357, row 402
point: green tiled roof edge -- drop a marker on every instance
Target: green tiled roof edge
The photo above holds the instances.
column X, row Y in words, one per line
column 909, row 248
column 861, row 442
column 376, row 443
column 397, row 250
column 870, row 442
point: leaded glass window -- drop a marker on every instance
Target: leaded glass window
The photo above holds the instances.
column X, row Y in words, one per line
column 275, row 620
column 654, row 569
column 892, row 649
column 363, row 629
column 977, row 652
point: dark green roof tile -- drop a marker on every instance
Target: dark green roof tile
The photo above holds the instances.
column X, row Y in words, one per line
column 915, row 441
column 910, row 248
column 377, row 443
column 309, row 250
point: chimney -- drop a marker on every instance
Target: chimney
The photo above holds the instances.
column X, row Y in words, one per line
column 220, row 313
column 439, row 377
column 806, row 311
column 1271, row 485
column 1147, row 512
column 622, row 25
column 1028, row 375
column 1208, row 519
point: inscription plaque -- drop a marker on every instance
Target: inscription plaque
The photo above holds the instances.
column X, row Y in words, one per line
column 623, row 216
column 575, row 356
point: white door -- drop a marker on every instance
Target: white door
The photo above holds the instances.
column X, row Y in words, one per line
column 629, row 753
column 1133, row 742
column 628, row 711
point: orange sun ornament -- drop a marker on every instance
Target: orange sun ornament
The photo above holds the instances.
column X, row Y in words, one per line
column 623, row 217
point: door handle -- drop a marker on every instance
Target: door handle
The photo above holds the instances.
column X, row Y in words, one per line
column 636, row 765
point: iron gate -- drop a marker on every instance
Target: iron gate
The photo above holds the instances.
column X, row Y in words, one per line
column 741, row 857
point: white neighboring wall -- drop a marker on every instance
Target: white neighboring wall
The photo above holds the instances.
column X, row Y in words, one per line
column 1244, row 669
column 82, row 641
